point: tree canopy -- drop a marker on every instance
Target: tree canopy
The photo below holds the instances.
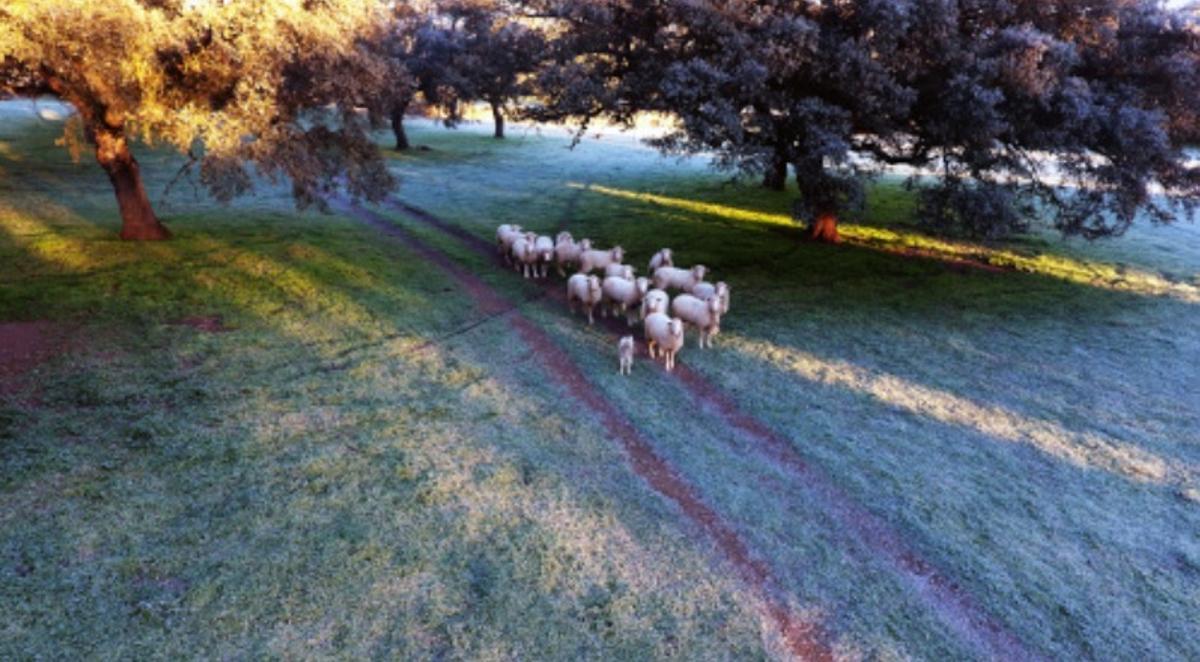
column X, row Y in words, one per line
column 1017, row 108
column 227, row 83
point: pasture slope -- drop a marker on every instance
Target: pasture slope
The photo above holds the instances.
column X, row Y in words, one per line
column 281, row 435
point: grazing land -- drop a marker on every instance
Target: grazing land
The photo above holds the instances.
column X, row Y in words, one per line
column 292, row 434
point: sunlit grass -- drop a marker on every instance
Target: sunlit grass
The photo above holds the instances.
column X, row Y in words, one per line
column 1090, row 273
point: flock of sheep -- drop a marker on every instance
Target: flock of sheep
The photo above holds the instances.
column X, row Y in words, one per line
column 700, row 304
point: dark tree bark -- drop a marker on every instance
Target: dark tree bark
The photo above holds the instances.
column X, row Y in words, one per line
column 138, row 220
column 775, row 178
column 498, row 118
column 824, row 228
column 398, row 127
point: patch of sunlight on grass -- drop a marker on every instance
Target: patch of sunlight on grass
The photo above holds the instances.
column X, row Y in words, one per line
column 10, row 153
column 298, row 289
column 44, row 243
column 1083, row 272
column 1087, row 450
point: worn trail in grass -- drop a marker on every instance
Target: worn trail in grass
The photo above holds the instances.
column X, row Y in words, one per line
column 806, row 639
column 938, row 592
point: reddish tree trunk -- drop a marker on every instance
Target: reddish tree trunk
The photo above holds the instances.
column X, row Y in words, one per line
column 398, row 127
column 498, row 117
column 775, row 178
column 138, row 221
column 824, row 228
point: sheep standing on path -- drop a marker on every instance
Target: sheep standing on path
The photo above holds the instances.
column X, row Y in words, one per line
column 544, row 247
column 625, row 355
column 567, row 250
column 621, row 296
column 525, row 256
column 664, row 334
column 505, row 236
column 680, row 279
column 705, row 315
column 586, row 290
column 654, row 301
column 663, row 258
column 591, row 260
column 709, row 290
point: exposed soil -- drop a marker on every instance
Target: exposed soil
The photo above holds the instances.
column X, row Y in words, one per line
column 205, row 323
column 23, row 346
column 805, row 638
column 942, row 595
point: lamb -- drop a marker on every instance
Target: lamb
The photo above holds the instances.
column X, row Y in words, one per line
column 664, row 334
column 708, row 290
column 662, row 258
column 625, row 355
column 654, row 301
column 544, row 247
column 586, row 290
column 680, row 279
column 619, row 270
column 505, row 236
column 705, row 315
column 524, row 255
column 567, row 250
column 590, row 260
column 622, row 295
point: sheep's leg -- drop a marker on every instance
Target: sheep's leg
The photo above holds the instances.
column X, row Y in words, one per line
column 591, row 316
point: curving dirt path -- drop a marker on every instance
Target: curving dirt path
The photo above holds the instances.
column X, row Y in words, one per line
column 940, row 594
column 805, row 639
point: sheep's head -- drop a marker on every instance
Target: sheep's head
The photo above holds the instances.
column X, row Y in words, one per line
column 617, row 253
column 625, row 344
column 699, row 272
column 594, row 287
column 713, row 304
column 585, row 244
column 667, row 258
column 675, row 327
column 627, row 272
column 642, row 284
column 563, row 237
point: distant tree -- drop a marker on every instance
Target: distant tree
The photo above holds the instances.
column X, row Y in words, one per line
column 498, row 54
column 421, row 45
column 989, row 94
column 227, row 83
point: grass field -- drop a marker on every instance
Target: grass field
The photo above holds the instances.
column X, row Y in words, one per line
column 361, row 463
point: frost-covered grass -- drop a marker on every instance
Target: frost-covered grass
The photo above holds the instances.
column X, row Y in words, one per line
column 309, row 484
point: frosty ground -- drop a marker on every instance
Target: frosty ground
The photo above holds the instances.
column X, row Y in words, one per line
column 292, row 434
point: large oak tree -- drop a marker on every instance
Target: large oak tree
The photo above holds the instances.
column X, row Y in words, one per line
column 230, row 83
column 989, row 97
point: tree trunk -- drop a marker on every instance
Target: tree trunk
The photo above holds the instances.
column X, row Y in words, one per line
column 498, row 117
column 138, row 221
column 775, row 178
column 824, row 228
column 398, row 127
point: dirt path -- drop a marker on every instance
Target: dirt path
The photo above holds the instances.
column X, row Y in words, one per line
column 945, row 598
column 805, row 639
column 23, row 345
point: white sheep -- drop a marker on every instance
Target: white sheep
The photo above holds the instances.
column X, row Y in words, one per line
column 625, row 355
column 505, row 236
column 524, row 256
column 664, row 334
column 586, row 290
column 544, row 247
column 654, row 301
column 680, row 279
column 567, row 250
column 619, row 270
column 622, row 296
column 705, row 315
column 563, row 236
column 663, row 258
column 593, row 259
column 720, row 290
